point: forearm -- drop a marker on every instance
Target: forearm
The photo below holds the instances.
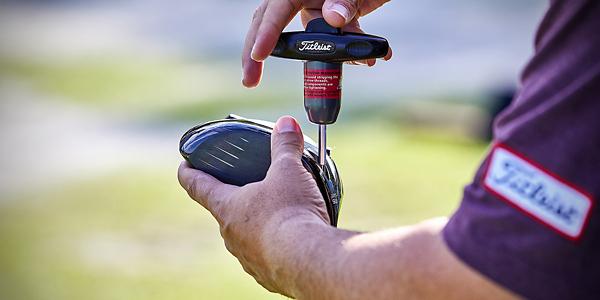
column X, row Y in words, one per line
column 302, row 255
column 322, row 262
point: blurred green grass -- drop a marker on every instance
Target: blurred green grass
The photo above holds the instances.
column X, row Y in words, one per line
column 134, row 234
column 99, row 81
column 164, row 89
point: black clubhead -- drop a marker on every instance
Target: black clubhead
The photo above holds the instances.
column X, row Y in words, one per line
column 234, row 153
column 238, row 151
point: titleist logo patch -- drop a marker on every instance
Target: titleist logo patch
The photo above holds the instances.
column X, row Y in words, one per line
column 537, row 192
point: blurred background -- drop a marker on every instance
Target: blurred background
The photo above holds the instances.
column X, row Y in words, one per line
column 94, row 96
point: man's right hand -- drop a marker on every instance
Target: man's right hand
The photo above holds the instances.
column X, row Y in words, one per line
column 272, row 16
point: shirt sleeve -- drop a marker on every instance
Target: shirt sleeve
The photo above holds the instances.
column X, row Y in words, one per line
column 518, row 247
column 529, row 220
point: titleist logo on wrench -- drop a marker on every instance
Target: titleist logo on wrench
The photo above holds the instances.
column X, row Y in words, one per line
column 315, row 46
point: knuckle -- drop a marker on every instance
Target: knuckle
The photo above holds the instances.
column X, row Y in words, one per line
column 209, row 192
column 229, row 247
column 351, row 5
column 294, row 4
column 355, row 3
column 258, row 12
column 288, row 142
column 230, row 223
column 270, row 26
column 288, row 159
column 219, row 211
column 195, row 188
column 202, row 191
column 226, row 230
column 285, row 163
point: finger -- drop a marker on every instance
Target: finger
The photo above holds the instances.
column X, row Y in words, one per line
column 389, row 54
column 204, row 189
column 277, row 15
column 309, row 14
column 367, row 7
column 287, row 141
column 340, row 12
column 251, row 69
column 354, row 26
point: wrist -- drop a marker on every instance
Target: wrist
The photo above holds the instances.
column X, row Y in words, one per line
column 302, row 251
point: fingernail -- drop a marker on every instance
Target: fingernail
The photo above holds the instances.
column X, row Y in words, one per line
column 287, row 124
column 253, row 55
column 341, row 10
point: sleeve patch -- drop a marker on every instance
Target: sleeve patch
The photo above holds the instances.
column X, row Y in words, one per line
column 537, row 192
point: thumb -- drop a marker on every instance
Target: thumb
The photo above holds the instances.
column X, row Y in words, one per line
column 340, row 12
column 287, row 141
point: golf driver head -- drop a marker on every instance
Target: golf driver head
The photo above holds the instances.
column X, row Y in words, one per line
column 237, row 151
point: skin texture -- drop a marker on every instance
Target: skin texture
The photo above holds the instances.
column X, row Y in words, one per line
column 278, row 230
column 271, row 17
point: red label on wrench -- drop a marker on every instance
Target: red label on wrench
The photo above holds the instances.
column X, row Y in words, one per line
column 324, row 83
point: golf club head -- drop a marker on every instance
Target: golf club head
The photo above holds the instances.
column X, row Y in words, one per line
column 237, row 151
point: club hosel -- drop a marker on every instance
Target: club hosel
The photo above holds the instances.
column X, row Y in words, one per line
column 322, row 91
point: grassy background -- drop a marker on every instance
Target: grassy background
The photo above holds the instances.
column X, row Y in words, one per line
column 134, row 234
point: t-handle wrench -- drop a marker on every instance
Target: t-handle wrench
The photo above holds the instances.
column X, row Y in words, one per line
column 324, row 48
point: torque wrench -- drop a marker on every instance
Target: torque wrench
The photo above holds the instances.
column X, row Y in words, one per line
column 323, row 49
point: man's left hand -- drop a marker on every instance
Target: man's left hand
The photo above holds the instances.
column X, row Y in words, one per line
column 251, row 217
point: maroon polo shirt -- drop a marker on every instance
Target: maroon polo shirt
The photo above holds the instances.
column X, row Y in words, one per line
column 530, row 220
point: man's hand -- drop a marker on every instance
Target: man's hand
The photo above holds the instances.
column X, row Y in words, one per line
column 271, row 17
column 250, row 217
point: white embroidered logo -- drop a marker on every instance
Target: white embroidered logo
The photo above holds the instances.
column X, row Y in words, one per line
column 315, row 46
column 538, row 193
